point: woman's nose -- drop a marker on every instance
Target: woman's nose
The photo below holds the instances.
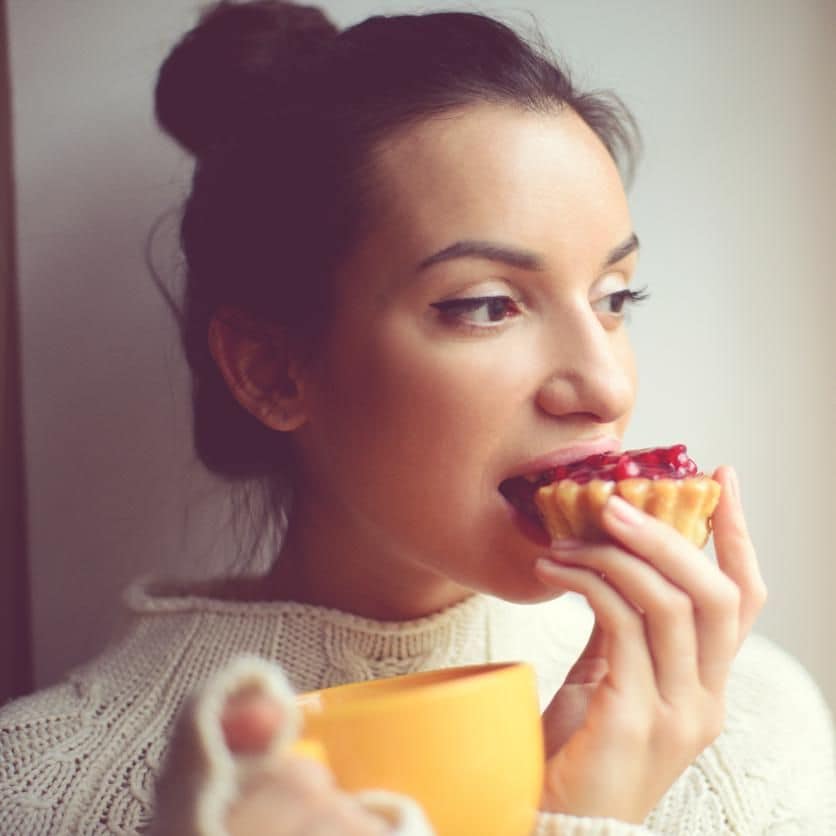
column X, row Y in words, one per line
column 593, row 371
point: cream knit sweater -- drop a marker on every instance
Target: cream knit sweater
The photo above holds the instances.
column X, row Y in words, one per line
column 82, row 757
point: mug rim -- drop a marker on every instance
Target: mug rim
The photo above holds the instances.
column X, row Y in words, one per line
column 455, row 681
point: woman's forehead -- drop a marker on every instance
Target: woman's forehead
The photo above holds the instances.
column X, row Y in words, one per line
column 498, row 173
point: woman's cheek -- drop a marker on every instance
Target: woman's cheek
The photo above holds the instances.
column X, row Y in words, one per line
column 424, row 397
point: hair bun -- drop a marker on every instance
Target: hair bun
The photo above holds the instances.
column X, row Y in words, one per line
column 227, row 75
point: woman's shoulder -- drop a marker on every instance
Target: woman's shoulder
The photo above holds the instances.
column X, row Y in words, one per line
column 32, row 723
column 60, row 750
column 175, row 637
column 84, row 752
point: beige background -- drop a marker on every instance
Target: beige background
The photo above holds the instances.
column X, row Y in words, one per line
column 734, row 204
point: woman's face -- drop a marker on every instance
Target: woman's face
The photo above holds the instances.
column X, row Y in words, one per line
column 477, row 338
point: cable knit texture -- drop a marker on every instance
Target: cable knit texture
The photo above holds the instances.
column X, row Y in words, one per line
column 82, row 757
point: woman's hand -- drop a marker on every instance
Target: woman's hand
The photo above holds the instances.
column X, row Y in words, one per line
column 646, row 695
column 294, row 796
column 230, row 769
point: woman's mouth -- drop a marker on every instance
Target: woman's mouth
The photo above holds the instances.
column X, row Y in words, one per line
column 652, row 463
column 519, row 491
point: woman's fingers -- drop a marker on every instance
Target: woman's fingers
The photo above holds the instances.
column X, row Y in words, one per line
column 666, row 610
column 697, row 613
column 736, row 555
column 629, row 661
column 713, row 596
column 296, row 797
column 250, row 720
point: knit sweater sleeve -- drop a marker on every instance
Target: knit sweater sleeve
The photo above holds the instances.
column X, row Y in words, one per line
column 49, row 744
column 555, row 824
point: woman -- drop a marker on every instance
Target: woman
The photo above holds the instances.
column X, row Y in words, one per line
column 409, row 258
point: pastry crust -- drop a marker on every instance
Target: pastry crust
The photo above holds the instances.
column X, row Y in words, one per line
column 570, row 509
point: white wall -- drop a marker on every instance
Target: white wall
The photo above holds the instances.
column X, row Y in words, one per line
column 734, row 204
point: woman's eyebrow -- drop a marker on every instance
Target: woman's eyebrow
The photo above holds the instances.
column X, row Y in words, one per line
column 622, row 250
column 513, row 257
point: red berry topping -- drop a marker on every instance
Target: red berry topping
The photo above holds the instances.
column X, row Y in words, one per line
column 649, row 463
column 627, row 469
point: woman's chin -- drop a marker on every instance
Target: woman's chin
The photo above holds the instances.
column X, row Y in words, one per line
column 527, row 591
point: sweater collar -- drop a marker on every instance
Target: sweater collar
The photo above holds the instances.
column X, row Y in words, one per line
column 333, row 646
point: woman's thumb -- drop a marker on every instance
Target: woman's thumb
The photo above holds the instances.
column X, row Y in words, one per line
column 250, row 720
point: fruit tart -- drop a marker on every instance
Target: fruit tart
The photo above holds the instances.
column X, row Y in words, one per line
column 662, row 481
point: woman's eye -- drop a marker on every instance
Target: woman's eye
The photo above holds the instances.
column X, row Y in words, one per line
column 613, row 303
column 478, row 310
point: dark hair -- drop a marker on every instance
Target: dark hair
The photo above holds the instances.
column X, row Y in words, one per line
column 283, row 113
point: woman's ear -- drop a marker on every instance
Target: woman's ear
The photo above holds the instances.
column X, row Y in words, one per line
column 256, row 362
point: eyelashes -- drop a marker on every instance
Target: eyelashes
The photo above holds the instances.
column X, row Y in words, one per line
column 487, row 312
column 486, row 309
column 625, row 297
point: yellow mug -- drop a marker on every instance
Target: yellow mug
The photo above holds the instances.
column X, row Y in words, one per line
column 306, row 747
column 466, row 743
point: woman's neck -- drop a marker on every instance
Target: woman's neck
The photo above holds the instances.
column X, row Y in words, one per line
column 326, row 561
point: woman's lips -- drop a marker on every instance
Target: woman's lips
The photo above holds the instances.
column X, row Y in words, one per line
column 519, row 486
column 565, row 455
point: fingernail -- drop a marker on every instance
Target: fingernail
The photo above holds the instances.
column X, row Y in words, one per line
column 734, row 484
column 565, row 544
column 622, row 511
